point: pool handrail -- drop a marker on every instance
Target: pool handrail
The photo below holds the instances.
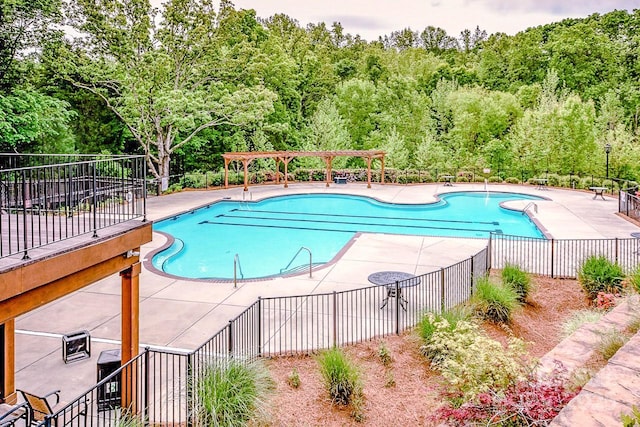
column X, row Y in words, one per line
column 302, row 248
column 236, row 267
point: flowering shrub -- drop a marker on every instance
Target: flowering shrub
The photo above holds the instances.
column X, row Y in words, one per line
column 532, row 401
column 605, row 301
column 471, row 362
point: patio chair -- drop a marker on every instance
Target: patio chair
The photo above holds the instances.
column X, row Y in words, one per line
column 11, row 414
column 39, row 407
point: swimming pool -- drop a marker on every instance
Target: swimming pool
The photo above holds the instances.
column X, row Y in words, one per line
column 267, row 234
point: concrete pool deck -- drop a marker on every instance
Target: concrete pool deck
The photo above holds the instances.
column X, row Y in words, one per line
column 182, row 314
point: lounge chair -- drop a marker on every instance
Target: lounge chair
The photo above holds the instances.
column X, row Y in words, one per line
column 41, row 407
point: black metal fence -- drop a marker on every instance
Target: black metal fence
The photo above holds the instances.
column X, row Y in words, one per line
column 46, row 199
column 629, row 205
column 157, row 387
column 561, row 257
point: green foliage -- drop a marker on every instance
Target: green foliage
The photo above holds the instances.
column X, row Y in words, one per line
column 33, row 122
column 598, row 274
column 294, row 379
column 631, row 420
column 514, row 277
column 231, row 393
column 578, row 318
column 341, row 377
column 125, row 418
column 384, row 354
column 610, row 342
column 633, row 280
column 471, row 362
column 493, row 302
column 427, row 324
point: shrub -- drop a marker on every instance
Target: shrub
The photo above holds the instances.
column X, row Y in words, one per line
column 631, row 420
column 598, row 274
column 518, row 280
column 610, row 342
column 462, row 179
column 231, row 394
column 512, row 180
column 426, row 325
column 384, row 354
column 124, row 418
column 294, row 379
column 493, row 302
column 529, row 402
column 495, row 179
column 605, row 301
column 633, row 280
column 579, row 318
column 471, row 362
column 341, row 377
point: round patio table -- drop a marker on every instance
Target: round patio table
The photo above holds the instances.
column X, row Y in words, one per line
column 389, row 279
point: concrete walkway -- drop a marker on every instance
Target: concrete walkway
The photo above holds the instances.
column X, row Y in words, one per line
column 182, row 314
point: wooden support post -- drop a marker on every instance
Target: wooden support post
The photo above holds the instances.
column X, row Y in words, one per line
column 130, row 312
column 382, row 170
column 226, row 172
column 286, row 161
column 130, row 332
column 245, row 163
column 8, row 356
column 328, row 160
column 368, row 172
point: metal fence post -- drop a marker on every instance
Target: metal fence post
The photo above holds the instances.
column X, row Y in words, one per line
column 95, row 201
column 442, row 299
column 489, row 246
column 553, row 246
column 259, row 327
column 617, row 243
column 230, row 338
column 335, row 319
column 145, row 396
column 191, row 384
column 472, row 278
column 24, row 215
column 397, row 285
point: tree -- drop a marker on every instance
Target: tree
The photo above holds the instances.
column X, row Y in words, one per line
column 33, row 122
column 24, row 24
column 167, row 82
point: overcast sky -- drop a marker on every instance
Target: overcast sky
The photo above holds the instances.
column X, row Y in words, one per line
column 372, row 18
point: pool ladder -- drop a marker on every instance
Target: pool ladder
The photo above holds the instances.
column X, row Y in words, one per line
column 236, row 267
column 302, row 248
column 530, row 204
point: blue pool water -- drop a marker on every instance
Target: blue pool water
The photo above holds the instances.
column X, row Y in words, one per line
column 267, row 234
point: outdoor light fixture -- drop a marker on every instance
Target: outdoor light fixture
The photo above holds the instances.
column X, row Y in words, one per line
column 607, row 150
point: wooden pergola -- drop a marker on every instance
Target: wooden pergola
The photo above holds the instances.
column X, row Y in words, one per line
column 286, row 156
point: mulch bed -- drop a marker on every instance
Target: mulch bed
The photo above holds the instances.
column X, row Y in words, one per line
column 407, row 392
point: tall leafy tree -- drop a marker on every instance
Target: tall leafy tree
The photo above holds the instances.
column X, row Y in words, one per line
column 24, row 25
column 167, row 82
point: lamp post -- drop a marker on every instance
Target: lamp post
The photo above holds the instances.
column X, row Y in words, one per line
column 607, row 150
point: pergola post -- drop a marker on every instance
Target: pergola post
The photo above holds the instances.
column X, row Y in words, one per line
column 277, row 170
column 286, row 161
column 245, row 163
column 328, row 160
column 226, row 172
column 382, row 169
column 368, row 172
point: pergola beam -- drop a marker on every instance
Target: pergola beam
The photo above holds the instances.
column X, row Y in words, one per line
column 286, row 156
